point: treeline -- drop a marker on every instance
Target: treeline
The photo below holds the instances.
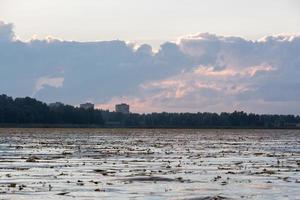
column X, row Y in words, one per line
column 30, row 111
column 208, row 120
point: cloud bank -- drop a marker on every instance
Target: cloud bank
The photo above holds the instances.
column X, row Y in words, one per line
column 203, row 72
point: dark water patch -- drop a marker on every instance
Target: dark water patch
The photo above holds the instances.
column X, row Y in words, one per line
column 154, row 179
column 209, row 198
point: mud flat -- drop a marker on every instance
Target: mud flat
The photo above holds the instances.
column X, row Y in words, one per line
column 149, row 164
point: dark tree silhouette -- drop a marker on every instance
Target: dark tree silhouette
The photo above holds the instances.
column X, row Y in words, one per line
column 30, row 111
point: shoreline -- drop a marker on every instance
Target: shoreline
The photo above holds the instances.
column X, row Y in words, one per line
column 93, row 126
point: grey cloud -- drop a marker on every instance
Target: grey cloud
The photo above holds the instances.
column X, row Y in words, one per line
column 281, row 52
column 233, row 73
column 99, row 70
column 6, row 32
column 228, row 70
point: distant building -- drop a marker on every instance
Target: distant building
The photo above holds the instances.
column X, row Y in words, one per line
column 122, row 108
column 56, row 105
column 87, row 106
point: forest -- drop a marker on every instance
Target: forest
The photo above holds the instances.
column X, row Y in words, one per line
column 29, row 111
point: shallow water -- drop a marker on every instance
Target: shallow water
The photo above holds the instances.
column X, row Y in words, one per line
column 149, row 164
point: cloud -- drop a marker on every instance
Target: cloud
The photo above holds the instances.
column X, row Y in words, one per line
column 231, row 74
column 202, row 72
column 55, row 82
column 6, row 32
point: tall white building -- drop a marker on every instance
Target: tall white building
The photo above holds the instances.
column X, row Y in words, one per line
column 122, row 108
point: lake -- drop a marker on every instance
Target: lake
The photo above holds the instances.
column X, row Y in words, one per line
column 149, row 164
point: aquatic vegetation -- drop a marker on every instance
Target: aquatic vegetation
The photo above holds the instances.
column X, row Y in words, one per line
column 149, row 163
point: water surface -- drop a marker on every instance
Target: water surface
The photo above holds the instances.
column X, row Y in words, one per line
column 149, row 164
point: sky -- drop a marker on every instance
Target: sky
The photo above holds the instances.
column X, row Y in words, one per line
column 152, row 22
column 159, row 55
